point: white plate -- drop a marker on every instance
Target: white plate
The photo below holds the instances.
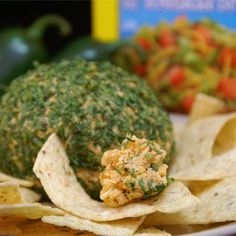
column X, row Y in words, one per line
column 178, row 121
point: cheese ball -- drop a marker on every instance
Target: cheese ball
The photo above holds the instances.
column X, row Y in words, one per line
column 90, row 106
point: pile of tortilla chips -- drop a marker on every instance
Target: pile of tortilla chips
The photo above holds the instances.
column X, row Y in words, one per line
column 71, row 210
column 203, row 192
column 205, row 161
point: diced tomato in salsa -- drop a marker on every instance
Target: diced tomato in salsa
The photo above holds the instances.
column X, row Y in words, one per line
column 176, row 75
column 227, row 54
column 205, row 33
column 166, row 39
column 187, row 103
column 227, row 87
column 140, row 69
column 144, row 43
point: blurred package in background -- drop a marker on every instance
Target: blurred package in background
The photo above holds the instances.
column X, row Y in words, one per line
column 127, row 16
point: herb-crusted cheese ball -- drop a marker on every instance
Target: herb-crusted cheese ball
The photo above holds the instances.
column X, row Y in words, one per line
column 92, row 107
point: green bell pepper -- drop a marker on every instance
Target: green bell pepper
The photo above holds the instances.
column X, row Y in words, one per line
column 85, row 47
column 93, row 50
column 19, row 47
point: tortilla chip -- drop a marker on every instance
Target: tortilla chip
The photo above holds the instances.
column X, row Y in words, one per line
column 217, row 204
column 21, row 226
column 175, row 198
column 219, row 167
column 60, row 183
column 205, row 105
column 30, row 195
column 151, row 232
column 113, row 228
column 226, row 138
column 9, row 229
column 187, row 229
column 10, row 193
column 197, row 187
column 7, row 178
column 38, row 228
column 204, row 139
column 29, row 210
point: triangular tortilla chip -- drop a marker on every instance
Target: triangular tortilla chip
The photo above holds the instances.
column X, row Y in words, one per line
column 217, row 204
column 205, row 105
column 219, row 167
column 10, row 193
column 30, row 195
column 204, row 139
column 29, row 210
column 38, row 228
column 7, row 178
column 151, row 232
column 60, row 183
column 126, row 226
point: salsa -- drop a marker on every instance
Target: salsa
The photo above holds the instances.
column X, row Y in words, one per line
column 186, row 58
